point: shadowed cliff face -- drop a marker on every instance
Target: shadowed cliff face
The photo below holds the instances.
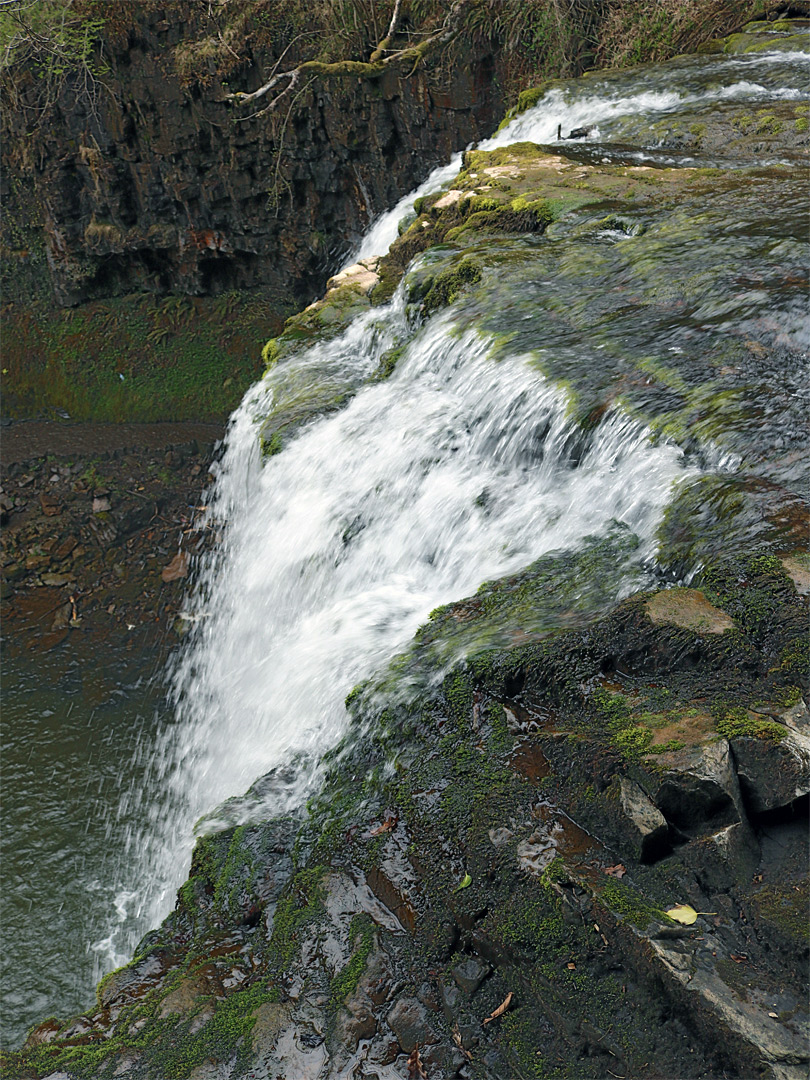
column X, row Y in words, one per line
column 162, row 187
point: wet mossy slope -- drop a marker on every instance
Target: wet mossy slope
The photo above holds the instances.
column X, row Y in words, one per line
column 515, row 834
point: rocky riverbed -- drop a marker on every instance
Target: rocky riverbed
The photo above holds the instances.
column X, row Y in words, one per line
column 99, row 528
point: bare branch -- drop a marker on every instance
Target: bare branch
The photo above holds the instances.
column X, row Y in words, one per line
column 369, row 70
column 389, row 33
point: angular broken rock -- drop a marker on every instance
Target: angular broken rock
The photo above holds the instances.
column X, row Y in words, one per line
column 723, row 858
column 50, row 504
column 699, row 787
column 772, row 773
column 360, row 275
column 647, row 826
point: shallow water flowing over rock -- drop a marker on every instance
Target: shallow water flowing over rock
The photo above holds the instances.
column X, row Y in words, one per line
column 528, row 489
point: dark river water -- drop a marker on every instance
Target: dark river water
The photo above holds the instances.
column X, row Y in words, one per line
column 72, row 722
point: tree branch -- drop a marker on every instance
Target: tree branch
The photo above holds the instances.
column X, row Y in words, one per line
column 361, row 69
column 389, row 34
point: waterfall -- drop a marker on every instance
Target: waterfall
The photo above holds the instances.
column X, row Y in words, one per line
column 464, row 465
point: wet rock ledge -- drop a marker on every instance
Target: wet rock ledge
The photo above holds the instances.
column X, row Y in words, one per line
column 494, row 902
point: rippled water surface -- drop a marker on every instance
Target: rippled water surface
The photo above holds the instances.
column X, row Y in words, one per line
column 71, row 727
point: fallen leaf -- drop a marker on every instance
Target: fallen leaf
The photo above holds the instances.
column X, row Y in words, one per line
column 387, row 825
column 457, row 1041
column 739, row 959
column 685, row 914
column 177, row 568
column 415, row 1070
column 774, row 1016
column 465, row 881
column 504, row 1005
column 571, row 967
column 617, row 871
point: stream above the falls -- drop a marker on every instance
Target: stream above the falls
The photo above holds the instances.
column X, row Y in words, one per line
column 561, row 405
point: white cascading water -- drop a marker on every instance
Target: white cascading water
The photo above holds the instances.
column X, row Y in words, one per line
column 335, row 550
column 566, row 110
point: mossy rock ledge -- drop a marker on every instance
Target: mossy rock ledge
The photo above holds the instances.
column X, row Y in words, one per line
column 547, row 805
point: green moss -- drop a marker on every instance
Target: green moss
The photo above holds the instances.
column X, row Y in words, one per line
column 632, row 742
column 450, row 282
column 301, row 904
column 135, row 358
column 794, row 660
column 801, row 124
column 735, row 723
column 361, row 940
column 768, row 125
column 271, row 353
column 624, row 900
column 388, row 363
column 518, row 1031
column 788, row 696
column 481, row 203
column 224, row 1036
column 533, row 218
column 500, row 739
column 785, row 906
column 271, row 445
column 527, row 99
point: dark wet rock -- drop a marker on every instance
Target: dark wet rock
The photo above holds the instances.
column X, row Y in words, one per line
column 470, row 973
column 356, row 1021
column 773, row 773
column 721, row 858
column 410, row 1023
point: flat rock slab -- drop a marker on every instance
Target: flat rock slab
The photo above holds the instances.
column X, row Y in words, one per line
column 689, row 609
column 799, row 571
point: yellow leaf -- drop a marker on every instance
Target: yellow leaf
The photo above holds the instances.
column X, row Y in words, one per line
column 683, row 913
column 466, row 881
